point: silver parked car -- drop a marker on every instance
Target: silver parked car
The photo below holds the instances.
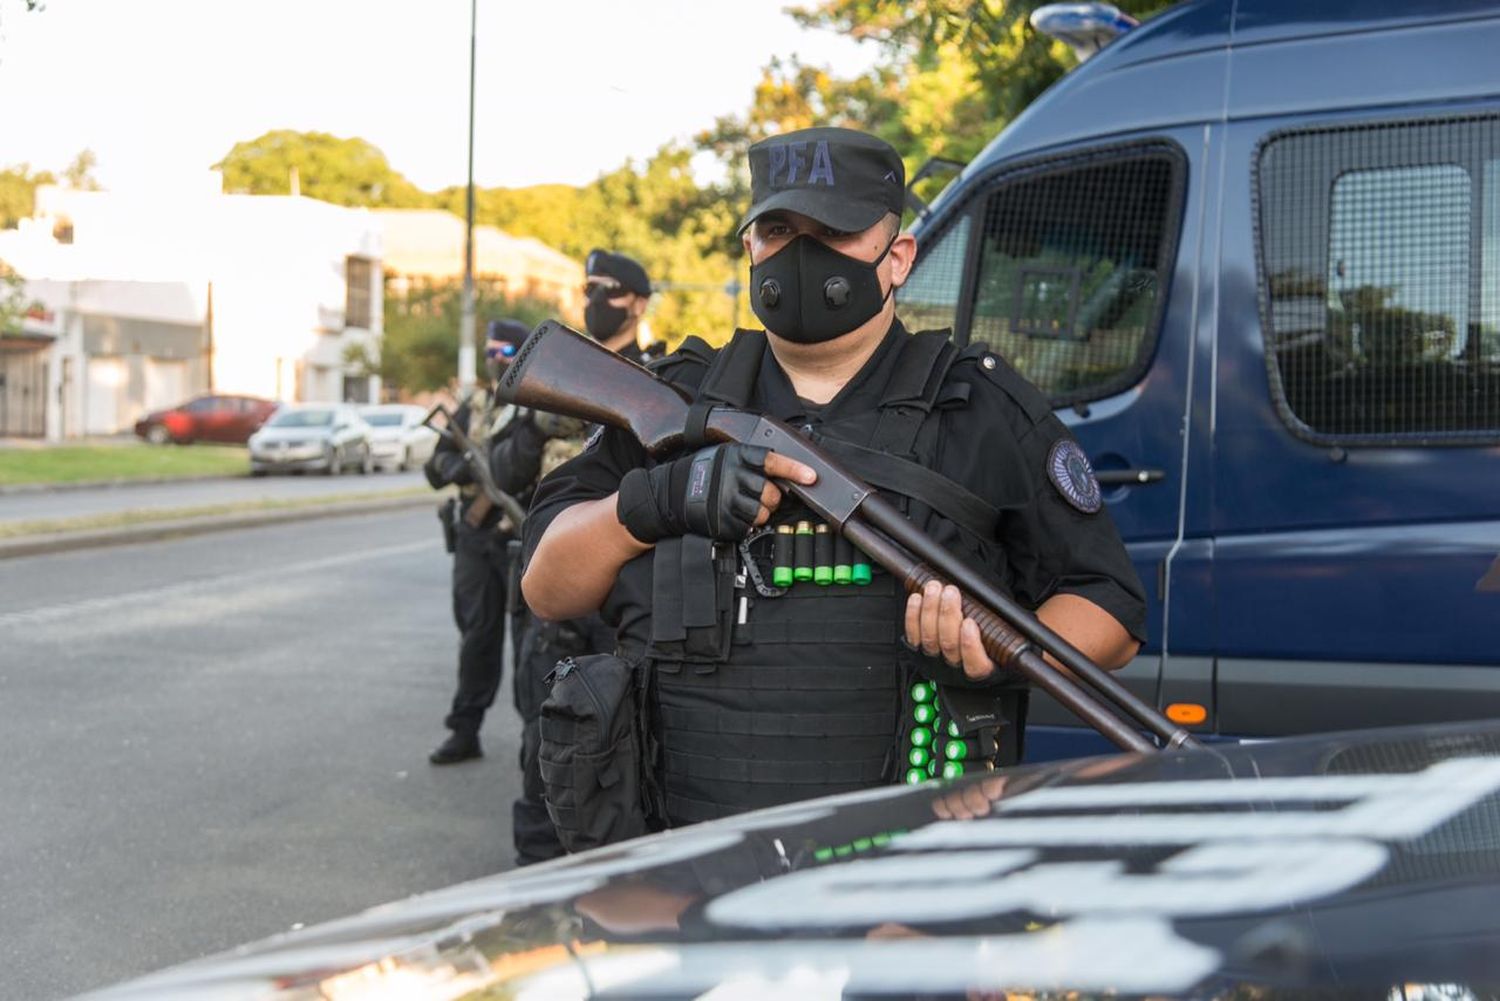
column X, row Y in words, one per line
column 327, row 437
column 398, row 438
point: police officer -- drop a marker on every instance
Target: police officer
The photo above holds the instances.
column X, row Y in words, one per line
column 480, row 559
column 765, row 694
column 617, row 292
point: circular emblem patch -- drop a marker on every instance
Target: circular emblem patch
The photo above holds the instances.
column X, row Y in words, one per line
column 1069, row 470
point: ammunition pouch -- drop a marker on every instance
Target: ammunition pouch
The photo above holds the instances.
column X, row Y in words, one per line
column 595, row 745
column 692, row 600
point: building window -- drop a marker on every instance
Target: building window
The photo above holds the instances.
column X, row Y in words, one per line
column 1074, row 260
column 1378, row 269
column 359, row 278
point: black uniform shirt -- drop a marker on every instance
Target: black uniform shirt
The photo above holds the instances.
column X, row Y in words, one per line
column 997, row 444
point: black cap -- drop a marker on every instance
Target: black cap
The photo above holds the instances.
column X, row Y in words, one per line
column 842, row 178
column 510, row 331
column 625, row 270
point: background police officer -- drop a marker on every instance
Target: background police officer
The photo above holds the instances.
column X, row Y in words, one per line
column 770, row 694
column 616, row 295
column 480, row 559
column 617, row 292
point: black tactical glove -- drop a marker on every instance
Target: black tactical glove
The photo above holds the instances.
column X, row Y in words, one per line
column 714, row 493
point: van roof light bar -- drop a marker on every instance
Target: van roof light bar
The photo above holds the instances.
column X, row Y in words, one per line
column 1085, row 27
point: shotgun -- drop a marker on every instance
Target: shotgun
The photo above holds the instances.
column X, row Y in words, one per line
column 491, row 496
column 562, row 371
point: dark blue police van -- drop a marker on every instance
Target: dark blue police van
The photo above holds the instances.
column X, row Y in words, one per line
column 1251, row 250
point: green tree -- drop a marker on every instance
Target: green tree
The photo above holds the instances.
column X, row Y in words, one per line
column 13, row 301
column 342, row 171
column 18, row 186
column 420, row 347
column 80, row 173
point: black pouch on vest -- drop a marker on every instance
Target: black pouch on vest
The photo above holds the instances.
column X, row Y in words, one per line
column 692, row 597
column 990, row 719
column 592, row 751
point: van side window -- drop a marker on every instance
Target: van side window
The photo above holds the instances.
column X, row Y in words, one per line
column 1074, row 259
column 1379, row 254
column 929, row 299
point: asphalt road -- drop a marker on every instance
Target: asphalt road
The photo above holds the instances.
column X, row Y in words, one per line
column 29, row 506
column 209, row 740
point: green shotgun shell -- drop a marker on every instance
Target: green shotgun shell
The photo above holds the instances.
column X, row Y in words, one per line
column 859, row 573
column 953, row 729
column 921, row 737
column 923, row 692
column 919, row 756
column 781, row 557
column 822, row 556
column 916, row 776
column 924, row 713
column 952, row 769
column 803, row 568
column 955, row 750
column 843, row 560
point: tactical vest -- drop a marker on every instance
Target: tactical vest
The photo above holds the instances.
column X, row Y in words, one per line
column 767, row 695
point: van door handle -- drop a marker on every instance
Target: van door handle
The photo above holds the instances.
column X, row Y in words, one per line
column 1119, row 477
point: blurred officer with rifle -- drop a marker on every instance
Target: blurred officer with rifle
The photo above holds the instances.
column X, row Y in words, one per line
column 477, row 524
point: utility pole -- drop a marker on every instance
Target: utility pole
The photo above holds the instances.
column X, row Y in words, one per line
column 466, row 321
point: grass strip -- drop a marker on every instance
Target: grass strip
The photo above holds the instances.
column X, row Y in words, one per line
column 82, row 463
column 125, row 519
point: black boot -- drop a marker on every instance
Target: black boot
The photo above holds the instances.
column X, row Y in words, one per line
column 461, row 745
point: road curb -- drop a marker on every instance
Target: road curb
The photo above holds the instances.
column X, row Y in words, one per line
column 133, row 481
column 61, row 542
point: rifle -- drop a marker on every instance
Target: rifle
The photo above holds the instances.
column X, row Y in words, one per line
column 562, row 371
column 490, row 496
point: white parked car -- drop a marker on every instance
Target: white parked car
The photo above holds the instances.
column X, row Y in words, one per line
column 327, row 437
column 398, row 438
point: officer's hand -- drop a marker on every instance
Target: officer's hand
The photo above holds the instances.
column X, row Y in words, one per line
column 935, row 622
column 720, row 492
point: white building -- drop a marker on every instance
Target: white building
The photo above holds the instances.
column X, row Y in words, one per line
column 146, row 299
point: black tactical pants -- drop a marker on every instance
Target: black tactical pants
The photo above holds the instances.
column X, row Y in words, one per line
column 542, row 646
column 479, row 582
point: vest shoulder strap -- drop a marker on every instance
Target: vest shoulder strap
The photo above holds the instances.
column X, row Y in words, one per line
column 925, row 359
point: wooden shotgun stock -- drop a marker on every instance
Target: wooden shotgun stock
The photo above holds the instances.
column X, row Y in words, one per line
column 562, row 371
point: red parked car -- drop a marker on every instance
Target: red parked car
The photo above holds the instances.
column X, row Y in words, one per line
column 207, row 418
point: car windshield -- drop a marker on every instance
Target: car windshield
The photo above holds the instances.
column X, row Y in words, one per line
column 383, row 420
column 301, row 419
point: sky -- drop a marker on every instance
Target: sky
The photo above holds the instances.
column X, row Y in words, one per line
column 565, row 90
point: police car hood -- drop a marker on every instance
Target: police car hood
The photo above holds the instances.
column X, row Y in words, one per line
column 1364, row 862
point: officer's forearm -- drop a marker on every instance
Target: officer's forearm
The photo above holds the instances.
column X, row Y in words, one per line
column 1095, row 632
column 577, row 560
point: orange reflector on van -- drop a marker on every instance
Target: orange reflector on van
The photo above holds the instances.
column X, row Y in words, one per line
column 1187, row 713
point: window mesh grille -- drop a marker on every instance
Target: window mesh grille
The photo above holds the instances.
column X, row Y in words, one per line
column 1379, row 281
column 1073, row 266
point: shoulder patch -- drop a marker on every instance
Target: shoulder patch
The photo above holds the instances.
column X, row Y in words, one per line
column 1069, row 470
column 998, row 372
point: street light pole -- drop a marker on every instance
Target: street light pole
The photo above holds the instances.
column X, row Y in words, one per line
column 466, row 320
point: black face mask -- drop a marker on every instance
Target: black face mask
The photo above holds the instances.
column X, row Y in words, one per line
column 809, row 293
column 602, row 320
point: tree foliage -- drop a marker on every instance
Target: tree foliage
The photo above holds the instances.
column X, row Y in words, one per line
column 420, row 347
column 342, row 171
column 18, row 186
